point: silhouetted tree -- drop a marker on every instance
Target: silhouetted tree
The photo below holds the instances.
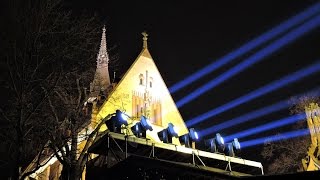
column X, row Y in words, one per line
column 285, row 156
column 47, row 58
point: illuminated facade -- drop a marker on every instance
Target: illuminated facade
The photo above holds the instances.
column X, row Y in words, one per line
column 312, row 161
column 141, row 91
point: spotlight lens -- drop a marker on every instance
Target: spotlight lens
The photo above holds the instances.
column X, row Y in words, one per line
column 145, row 122
column 175, row 129
column 236, row 143
column 148, row 122
column 124, row 117
column 172, row 130
column 196, row 135
column 193, row 134
column 219, row 139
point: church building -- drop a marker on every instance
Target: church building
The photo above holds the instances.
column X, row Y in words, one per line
column 143, row 97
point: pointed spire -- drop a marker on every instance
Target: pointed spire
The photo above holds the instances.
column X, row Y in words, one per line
column 103, row 58
column 101, row 81
column 145, row 39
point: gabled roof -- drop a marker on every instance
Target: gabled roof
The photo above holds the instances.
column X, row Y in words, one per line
column 143, row 77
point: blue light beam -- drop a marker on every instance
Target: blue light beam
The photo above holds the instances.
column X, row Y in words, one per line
column 259, row 92
column 295, row 20
column 271, row 48
column 265, row 127
column 253, row 114
column 274, row 138
column 246, row 117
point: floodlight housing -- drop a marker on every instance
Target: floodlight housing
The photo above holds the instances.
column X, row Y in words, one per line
column 236, row 144
column 116, row 121
column 229, row 151
column 215, row 144
column 189, row 138
column 166, row 134
column 140, row 128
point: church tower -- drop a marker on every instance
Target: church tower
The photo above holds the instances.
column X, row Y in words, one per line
column 100, row 86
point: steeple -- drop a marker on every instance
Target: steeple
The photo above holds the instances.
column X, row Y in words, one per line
column 101, row 81
column 103, row 58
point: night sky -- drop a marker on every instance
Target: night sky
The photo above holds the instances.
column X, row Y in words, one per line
column 186, row 36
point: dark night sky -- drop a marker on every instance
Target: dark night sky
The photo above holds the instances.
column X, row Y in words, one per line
column 186, row 36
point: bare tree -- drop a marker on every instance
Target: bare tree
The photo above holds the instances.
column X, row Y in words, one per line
column 44, row 45
column 285, row 156
column 299, row 103
column 71, row 127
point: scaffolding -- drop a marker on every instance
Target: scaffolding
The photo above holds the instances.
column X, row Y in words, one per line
column 121, row 146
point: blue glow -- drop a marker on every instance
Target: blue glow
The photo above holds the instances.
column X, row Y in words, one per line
column 210, row 145
column 244, row 118
column 265, row 127
column 215, row 144
column 122, row 117
column 219, row 139
column 172, row 130
column 247, row 47
column 193, row 134
column 185, row 140
column 259, row 92
column 229, row 150
column 255, row 114
column 145, row 123
column 236, row 144
column 283, row 136
column 261, row 54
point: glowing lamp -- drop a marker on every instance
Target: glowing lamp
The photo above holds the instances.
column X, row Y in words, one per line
column 215, row 144
column 188, row 138
column 236, row 145
column 116, row 121
column 229, row 150
column 140, row 128
column 166, row 135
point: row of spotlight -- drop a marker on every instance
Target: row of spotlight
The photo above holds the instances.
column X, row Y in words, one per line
column 215, row 145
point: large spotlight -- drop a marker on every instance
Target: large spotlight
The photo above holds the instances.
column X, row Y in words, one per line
column 229, row 150
column 215, row 144
column 236, row 145
column 233, row 147
column 140, row 128
column 188, row 139
column 166, row 134
column 115, row 122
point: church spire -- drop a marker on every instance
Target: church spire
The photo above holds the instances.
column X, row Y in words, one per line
column 145, row 39
column 103, row 58
column 101, row 81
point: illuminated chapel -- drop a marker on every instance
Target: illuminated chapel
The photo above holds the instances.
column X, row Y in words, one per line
column 140, row 94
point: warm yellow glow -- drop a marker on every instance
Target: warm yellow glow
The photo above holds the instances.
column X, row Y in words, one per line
column 142, row 91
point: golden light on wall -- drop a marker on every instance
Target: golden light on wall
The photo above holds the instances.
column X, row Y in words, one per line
column 142, row 91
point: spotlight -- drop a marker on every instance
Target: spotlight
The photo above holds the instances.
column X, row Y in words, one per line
column 215, row 144
column 233, row 147
column 140, row 128
column 115, row 122
column 236, row 145
column 229, row 150
column 189, row 138
column 166, row 134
